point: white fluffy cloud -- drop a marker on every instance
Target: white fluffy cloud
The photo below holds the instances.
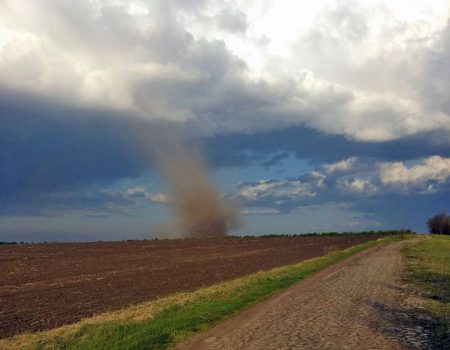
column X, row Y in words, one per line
column 368, row 70
column 432, row 170
column 279, row 190
column 261, row 211
column 342, row 165
column 143, row 193
column 358, row 186
column 423, row 175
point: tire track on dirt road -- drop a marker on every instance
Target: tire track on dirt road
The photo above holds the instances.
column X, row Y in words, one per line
column 346, row 306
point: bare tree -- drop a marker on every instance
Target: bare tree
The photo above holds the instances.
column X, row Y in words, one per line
column 439, row 224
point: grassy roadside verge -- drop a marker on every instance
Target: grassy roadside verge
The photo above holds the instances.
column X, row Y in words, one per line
column 161, row 323
column 428, row 274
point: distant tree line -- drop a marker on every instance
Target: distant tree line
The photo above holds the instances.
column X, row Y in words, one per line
column 308, row 234
column 439, row 224
column 11, row 243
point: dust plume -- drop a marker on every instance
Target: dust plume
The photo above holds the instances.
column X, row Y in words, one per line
column 200, row 211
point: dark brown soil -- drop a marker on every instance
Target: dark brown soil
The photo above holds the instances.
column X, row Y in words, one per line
column 43, row 286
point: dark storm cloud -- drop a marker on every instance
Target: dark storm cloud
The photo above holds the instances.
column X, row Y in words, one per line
column 47, row 146
column 92, row 201
column 52, row 155
column 244, row 149
column 151, row 63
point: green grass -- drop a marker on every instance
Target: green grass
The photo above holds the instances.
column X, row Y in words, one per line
column 201, row 310
column 428, row 268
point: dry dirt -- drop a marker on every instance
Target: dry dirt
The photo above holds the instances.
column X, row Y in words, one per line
column 43, row 286
column 351, row 305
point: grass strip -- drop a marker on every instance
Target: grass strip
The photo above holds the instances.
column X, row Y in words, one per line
column 428, row 273
column 189, row 313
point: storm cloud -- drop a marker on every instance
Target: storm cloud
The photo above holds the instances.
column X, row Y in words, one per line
column 170, row 61
column 358, row 91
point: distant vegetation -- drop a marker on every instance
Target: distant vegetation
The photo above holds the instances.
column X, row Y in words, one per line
column 439, row 224
column 311, row 234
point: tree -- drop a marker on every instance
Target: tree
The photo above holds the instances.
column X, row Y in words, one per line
column 439, row 224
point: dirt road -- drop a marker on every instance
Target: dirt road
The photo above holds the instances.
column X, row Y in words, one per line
column 351, row 305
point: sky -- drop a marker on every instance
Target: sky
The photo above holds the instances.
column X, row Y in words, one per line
column 313, row 116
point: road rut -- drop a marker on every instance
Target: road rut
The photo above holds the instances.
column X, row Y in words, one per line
column 346, row 306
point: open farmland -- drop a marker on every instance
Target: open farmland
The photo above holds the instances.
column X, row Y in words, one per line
column 46, row 285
